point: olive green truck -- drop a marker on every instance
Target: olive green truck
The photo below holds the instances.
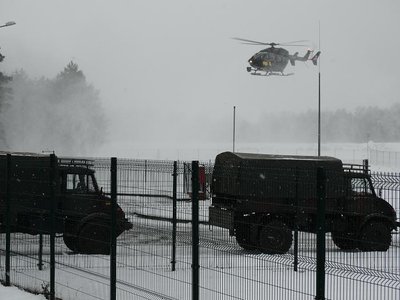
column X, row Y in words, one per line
column 82, row 210
column 263, row 198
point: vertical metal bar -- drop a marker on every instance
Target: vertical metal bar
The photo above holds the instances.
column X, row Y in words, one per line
column 113, row 249
column 53, row 205
column 296, row 227
column 234, row 128
column 319, row 113
column 40, row 254
column 365, row 166
column 319, row 91
column 8, row 225
column 174, row 218
column 145, row 176
column 320, row 284
column 195, row 230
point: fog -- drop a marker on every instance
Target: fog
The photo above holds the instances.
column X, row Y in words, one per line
column 61, row 115
column 168, row 72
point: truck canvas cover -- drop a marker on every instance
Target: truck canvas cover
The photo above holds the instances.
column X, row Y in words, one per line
column 256, row 179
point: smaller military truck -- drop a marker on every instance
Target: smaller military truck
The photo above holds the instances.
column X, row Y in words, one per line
column 82, row 210
column 262, row 198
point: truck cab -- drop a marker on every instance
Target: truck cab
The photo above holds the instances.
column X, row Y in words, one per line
column 82, row 210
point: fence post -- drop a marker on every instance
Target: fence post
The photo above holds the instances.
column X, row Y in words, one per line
column 113, row 242
column 365, row 166
column 320, row 284
column 53, row 205
column 8, row 225
column 174, row 221
column 296, row 227
column 195, row 230
column 40, row 254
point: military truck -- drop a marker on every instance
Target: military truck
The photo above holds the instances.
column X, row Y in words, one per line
column 83, row 211
column 262, row 198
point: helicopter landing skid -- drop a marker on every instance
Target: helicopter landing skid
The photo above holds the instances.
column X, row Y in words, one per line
column 267, row 73
column 271, row 74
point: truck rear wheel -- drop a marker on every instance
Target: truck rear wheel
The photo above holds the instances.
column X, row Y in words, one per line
column 70, row 236
column 345, row 240
column 375, row 236
column 94, row 237
column 275, row 237
column 71, row 241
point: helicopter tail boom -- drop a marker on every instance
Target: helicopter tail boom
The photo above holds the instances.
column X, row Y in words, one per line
column 293, row 58
column 306, row 56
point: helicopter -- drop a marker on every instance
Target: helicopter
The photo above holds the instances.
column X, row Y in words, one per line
column 273, row 60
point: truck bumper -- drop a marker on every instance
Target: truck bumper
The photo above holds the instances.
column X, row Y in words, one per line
column 221, row 217
column 123, row 225
column 126, row 225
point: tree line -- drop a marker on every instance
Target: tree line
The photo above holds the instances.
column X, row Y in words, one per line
column 61, row 114
column 361, row 125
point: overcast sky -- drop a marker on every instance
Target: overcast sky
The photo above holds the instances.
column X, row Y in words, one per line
column 160, row 65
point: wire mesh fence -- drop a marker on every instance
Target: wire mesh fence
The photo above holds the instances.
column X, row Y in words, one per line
column 263, row 246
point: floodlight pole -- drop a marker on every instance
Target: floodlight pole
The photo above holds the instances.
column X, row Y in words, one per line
column 319, row 113
column 234, row 127
column 319, row 91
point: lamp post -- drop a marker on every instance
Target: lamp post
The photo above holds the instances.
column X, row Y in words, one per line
column 319, row 92
column 10, row 23
column 234, row 128
column 319, row 113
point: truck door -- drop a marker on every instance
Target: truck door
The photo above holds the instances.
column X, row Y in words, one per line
column 78, row 192
column 362, row 196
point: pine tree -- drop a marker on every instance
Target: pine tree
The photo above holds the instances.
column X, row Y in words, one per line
column 5, row 94
column 63, row 114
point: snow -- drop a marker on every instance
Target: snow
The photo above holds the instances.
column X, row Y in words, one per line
column 13, row 293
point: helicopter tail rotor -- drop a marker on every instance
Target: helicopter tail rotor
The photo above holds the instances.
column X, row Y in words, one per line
column 314, row 59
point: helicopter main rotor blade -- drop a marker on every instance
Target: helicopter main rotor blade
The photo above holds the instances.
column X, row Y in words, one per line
column 297, row 45
column 300, row 41
column 250, row 42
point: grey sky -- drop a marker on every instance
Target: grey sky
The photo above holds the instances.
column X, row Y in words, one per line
column 160, row 65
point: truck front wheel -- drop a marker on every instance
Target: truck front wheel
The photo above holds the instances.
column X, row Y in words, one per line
column 94, row 237
column 275, row 237
column 375, row 236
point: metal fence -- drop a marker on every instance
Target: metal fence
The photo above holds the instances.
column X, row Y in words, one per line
column 171, row 251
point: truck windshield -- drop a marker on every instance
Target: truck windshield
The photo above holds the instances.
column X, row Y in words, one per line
column 81, row 183
column 360, row 186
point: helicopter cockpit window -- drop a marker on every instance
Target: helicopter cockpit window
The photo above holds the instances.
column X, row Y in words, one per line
column 267, row 55
column 360, row 186
column 80, row 183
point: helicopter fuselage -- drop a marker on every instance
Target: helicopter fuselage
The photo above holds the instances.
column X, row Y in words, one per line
column 270, row 60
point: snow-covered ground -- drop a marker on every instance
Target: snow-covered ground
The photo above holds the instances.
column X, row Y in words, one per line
column 13, row 293
column 226, row 270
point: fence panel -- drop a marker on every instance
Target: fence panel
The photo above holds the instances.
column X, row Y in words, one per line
column 151, row 266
